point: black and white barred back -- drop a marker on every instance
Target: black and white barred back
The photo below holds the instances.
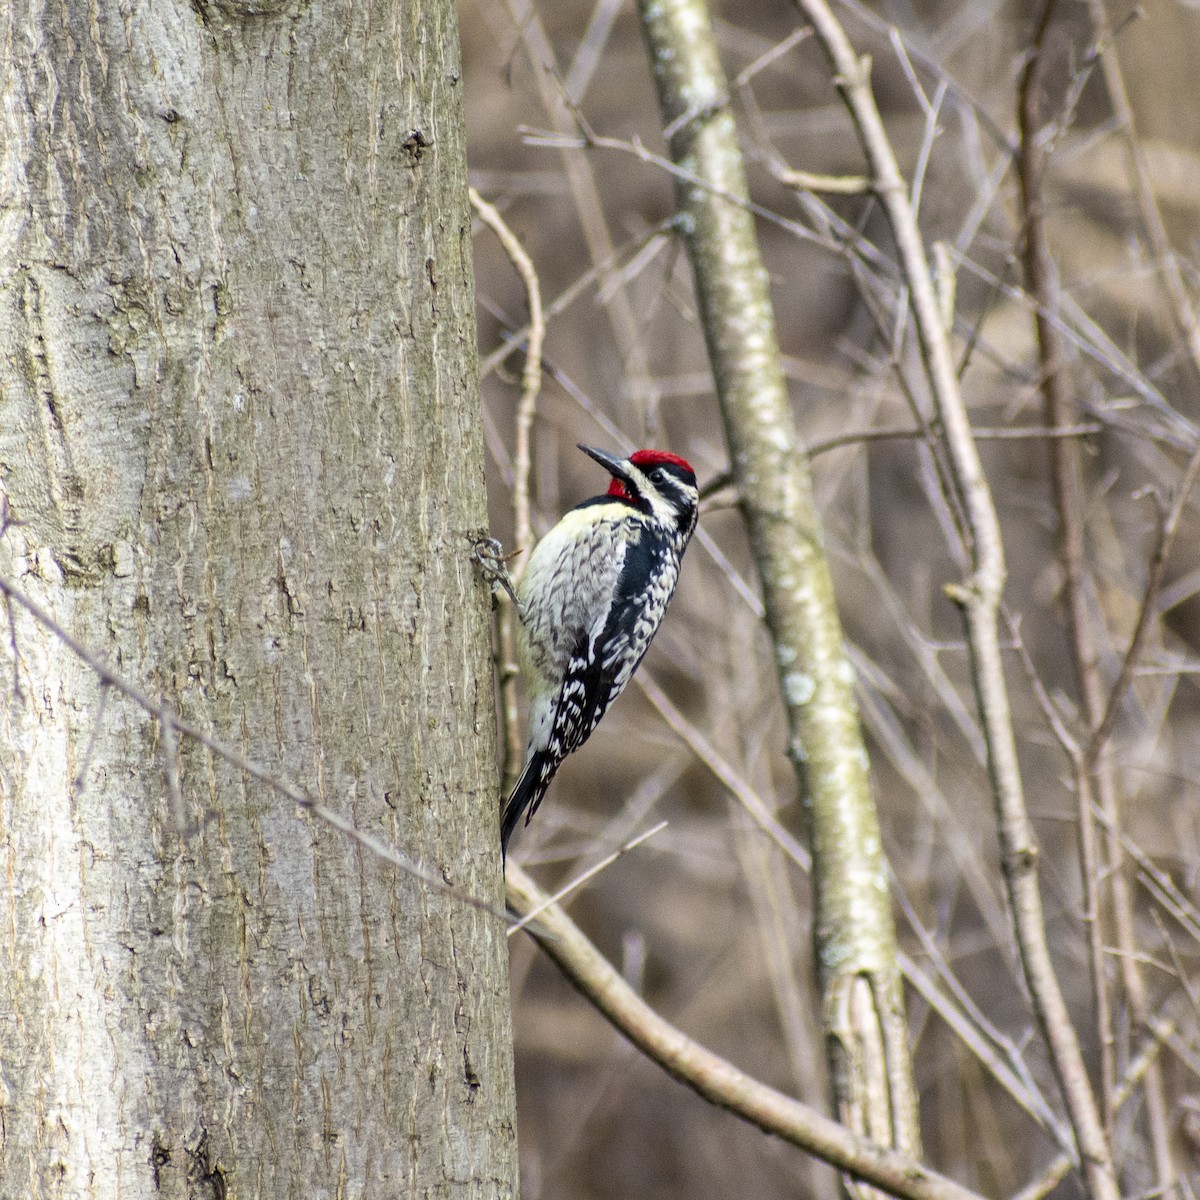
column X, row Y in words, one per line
column 593, row 595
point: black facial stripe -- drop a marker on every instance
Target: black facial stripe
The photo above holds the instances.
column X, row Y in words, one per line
column 677, row 492
column 673, row 472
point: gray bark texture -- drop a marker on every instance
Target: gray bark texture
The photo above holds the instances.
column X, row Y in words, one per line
column 240, row 434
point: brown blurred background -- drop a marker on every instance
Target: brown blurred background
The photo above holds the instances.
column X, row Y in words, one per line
column 710, row 918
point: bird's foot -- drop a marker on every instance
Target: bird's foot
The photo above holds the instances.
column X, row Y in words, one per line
column 493, row 566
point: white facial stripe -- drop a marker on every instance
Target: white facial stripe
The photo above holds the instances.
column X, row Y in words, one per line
column 662, row 508
column 647, row 492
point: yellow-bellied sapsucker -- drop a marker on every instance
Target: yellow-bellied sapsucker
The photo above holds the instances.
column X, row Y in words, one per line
column 593, row 595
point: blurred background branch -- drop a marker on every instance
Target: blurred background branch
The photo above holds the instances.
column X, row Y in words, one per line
column 712, row 919
column 862, row 1005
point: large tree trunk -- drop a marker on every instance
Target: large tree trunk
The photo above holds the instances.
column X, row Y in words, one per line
column 239, row 428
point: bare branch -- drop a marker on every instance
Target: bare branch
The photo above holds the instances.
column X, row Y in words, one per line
column 707, row 1074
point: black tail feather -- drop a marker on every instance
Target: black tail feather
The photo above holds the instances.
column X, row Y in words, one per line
column 527, row 795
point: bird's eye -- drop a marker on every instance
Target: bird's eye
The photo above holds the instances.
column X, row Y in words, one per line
column 658, row 475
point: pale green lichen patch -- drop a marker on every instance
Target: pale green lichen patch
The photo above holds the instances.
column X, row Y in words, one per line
column 799, row 687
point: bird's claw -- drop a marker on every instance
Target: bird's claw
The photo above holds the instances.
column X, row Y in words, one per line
column 493, row 566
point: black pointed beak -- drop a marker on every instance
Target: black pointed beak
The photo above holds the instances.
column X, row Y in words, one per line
column 616, row 467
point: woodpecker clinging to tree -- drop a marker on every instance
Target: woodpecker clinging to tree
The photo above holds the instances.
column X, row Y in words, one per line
column 593, row 595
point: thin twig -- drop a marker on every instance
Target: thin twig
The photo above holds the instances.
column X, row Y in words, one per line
column 531, row 383
column 1165, row 259
column 531, row 376
column 80, row 780
column 579, row 880
column 765, row 59
column 1099, row 753
column 169, row 740
column 515, row 339
column 967, row 1027
column 1164, row 892
column 565, row 117
column 1017, row 433
column 1085, row 335
column 721, row 770
column 1147, row 1058
column 807, row 181
column 1066, row 480
column 638, row 149
column 1148, row 611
